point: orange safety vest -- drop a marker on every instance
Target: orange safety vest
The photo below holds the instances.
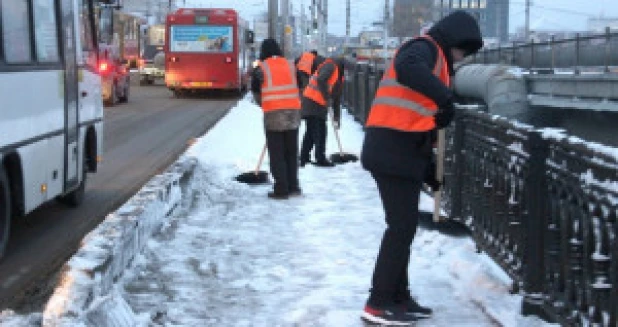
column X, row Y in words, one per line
column 398, row 107
column 312, row 91
column 279, row 89
column 305, row 62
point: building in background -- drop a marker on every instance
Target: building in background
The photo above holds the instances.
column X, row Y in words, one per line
column 410, row 16
column 599, row 24
column 493, row 15
column 154, row 11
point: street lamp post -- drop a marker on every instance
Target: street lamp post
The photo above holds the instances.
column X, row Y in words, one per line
column 285, row 22
column 272, row 18
column 386, row 18
column 303, row 27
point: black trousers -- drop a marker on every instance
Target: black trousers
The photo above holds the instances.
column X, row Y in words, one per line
column 283, row 154
column 400, row 198
column 315, row 135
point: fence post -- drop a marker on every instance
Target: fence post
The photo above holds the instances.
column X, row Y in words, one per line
column 608, row 47
column 577, row 44
column 535, row 227
column 553, row 57
column 458, row 164
column 513, row 62
column 614, row 291
column 531, row 55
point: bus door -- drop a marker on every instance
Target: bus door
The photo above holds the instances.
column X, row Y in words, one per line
column 71, row 151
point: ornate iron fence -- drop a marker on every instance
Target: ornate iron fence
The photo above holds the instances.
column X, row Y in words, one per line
column 544, row 206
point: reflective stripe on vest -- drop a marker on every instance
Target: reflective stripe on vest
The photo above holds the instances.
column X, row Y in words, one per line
column 312, row 91
column 279, row 89
column 305, row 62
column 398, row 107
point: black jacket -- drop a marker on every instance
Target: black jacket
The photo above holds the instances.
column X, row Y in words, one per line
column 407, row 154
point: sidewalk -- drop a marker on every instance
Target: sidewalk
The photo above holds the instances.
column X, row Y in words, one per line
column 240, row 259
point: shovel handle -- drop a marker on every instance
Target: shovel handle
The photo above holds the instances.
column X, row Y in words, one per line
column 259, row 163
column 332, row 120
column 437, row 196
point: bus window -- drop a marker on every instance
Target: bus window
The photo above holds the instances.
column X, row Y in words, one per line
column 199, row 38
column 16, row 31
column 45, row 32
column 106, row 25
column 89, row 52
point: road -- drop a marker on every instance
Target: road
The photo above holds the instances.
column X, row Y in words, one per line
column 142, row 138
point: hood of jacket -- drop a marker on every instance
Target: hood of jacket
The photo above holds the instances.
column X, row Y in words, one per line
column 269, row 48
column 457, row 30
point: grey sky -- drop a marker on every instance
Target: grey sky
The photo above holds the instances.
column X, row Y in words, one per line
column 567, row 15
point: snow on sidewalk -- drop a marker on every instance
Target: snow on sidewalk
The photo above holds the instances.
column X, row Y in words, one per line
column 241, row 259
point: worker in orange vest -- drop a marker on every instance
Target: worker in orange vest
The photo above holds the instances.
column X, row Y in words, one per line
column 324, row 89
column 275, row 89
column 305, row 67
column 413, row 99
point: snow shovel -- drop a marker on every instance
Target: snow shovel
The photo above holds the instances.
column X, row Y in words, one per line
column 437, row 195
column 341, row 157
column 257, row 176
column 434, row 220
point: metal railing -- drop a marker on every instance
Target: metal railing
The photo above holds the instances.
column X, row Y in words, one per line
column 596, row 52
column 544, row 207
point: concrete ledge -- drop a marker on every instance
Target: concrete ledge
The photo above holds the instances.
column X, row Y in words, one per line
column 589, row 86
column 563, row 102
column 111, row 247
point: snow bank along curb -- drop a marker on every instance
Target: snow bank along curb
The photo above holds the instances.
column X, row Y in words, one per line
column 110, row 248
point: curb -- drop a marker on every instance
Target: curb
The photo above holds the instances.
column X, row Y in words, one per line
column 110, row 248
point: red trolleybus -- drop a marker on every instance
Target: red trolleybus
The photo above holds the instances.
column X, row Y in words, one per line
column 206, row 49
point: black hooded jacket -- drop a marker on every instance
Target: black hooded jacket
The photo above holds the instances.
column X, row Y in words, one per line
column 407, row 154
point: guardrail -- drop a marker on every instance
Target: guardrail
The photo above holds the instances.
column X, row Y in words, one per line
column 598, row 51
column 544, row 206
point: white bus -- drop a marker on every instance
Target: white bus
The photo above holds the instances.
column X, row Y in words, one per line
column 51, row 112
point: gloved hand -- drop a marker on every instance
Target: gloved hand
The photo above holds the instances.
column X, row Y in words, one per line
column 336, row 124
column 445, row 114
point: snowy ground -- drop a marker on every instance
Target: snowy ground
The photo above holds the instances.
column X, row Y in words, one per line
column 241, row 259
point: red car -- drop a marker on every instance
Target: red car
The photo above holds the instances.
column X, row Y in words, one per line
column 115, row 78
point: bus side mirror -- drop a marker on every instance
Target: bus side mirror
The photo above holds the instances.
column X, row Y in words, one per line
column 249, row 36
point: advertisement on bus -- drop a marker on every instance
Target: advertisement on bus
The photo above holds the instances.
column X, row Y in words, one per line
column 201, row 38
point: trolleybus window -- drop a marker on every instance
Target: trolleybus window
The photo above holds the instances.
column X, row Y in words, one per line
column 200, row 38
column 45, row 33
column 16, row 31
column 89, row 54
column 105, row 26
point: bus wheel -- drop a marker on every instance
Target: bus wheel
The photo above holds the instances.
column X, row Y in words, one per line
column 76, row 197
column 5, row 211
column 178, row 93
